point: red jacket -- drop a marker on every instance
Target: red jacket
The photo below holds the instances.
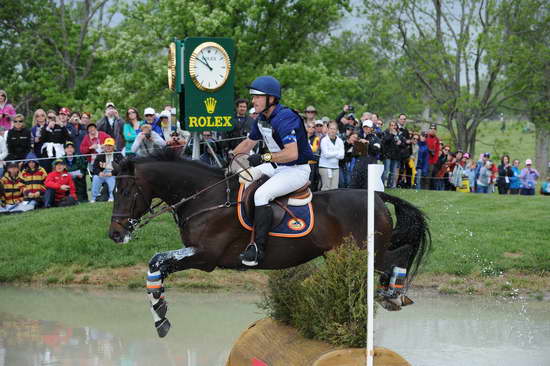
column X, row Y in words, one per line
column 433, row 145
column 55, row 180
column 87, row 142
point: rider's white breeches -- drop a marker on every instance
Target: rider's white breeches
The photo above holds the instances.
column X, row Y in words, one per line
column 284, row 179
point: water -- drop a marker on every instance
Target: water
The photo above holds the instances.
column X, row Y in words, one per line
column 114, row 327
column 468, row 331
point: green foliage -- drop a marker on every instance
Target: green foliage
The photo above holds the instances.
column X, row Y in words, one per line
column 71, row 55
column 328, row 304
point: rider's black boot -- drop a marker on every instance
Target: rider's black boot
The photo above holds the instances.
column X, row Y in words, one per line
column 254, row 252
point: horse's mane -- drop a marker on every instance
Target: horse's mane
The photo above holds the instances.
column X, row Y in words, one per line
column 169, row 155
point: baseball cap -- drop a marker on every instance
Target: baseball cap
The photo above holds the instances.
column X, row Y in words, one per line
column 58, row 161
column 109, row 141
column 487, row 155
column 65, row 110
column 148, row 111
column 164, row 114
column 433, row 126
column 109, row 104
column 252, row 110
column 68, row 143
column 528, row 162
column 311, row 108
column 466, row 155
column 368, row 123
column 325, row 119
column 319, row 122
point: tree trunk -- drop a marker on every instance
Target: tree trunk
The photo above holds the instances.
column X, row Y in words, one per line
column 542, row 150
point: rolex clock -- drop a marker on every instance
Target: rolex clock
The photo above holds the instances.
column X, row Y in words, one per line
column 209, row 66
column 208, row 84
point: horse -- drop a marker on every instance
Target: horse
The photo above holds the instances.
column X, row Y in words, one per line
column 202, row 199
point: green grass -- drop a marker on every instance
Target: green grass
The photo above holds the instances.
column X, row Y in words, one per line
column 72, row 240
column 472, row 234
column 485, row 233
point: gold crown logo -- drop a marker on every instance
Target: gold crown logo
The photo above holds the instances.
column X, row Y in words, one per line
column 210, row 104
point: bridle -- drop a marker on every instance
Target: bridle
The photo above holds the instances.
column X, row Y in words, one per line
column 135, row 223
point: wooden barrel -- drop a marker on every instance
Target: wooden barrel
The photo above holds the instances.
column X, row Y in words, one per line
column 270, row 343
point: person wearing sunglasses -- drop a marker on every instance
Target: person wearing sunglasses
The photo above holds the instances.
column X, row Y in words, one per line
column 19, row 140
column 7, row 111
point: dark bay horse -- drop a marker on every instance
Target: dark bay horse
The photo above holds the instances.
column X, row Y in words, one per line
column 213, row 236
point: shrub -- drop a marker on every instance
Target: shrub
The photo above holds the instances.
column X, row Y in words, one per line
column 326, row 302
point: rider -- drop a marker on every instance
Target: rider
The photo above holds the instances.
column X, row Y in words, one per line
column 286, row 163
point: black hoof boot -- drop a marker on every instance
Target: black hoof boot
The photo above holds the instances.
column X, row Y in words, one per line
column 163, row 326
column 161, row 308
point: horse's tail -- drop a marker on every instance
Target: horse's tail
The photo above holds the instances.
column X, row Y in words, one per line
column 411, row 229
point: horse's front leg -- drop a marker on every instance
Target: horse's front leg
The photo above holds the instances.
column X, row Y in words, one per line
column 160, row 266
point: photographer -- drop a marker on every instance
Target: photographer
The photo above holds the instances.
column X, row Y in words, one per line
column 53, row 136
column 366, row 149
column 528, row 178
column 147, row 141
column 178, row 142
column 77, row 128
column 346, row 118
column 391, row 147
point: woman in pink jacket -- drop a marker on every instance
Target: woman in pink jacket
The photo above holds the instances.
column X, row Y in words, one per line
column 7, row 111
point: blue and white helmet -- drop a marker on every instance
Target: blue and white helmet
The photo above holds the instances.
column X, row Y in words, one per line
column 266, row 85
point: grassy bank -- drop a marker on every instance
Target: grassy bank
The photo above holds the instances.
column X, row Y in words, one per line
column 481, row 244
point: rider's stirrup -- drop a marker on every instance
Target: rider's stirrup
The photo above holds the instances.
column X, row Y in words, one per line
column 248, row 258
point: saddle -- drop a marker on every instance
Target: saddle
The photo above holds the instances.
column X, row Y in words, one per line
column 301, row 196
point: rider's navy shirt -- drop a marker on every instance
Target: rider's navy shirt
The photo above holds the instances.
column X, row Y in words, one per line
column 284, row 126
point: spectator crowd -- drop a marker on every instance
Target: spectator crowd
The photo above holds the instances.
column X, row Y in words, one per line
column 52, row 161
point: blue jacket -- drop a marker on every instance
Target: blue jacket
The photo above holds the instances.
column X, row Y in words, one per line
column 423, row 157
column 284, row 126
column 515, row 182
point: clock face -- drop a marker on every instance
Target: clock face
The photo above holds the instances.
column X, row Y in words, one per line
column 209, row 66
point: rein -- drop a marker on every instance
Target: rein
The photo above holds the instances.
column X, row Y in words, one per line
column 137, row 223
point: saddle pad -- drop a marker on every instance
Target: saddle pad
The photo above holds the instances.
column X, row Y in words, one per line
column 288, row 227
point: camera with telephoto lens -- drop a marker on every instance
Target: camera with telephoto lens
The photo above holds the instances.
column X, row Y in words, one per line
column 350, row 108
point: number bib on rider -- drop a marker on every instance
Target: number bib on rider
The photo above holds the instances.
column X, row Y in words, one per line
column 267, row 134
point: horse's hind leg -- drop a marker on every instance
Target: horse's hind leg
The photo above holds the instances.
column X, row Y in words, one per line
column 160, row 266
column 393, row 280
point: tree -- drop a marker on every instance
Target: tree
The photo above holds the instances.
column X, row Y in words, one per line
column 455, row 51
column 266, row 33
column 53, row 50
column 529, row 70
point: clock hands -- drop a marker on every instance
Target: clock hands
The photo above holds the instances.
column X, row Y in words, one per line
column 203, row 60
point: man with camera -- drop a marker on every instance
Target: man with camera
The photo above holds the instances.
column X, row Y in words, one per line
column 346, row 118
column 147, row 141
column 366, row 150
column 52, row 137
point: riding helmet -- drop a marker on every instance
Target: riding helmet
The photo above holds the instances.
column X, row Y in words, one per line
column 266, row 85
